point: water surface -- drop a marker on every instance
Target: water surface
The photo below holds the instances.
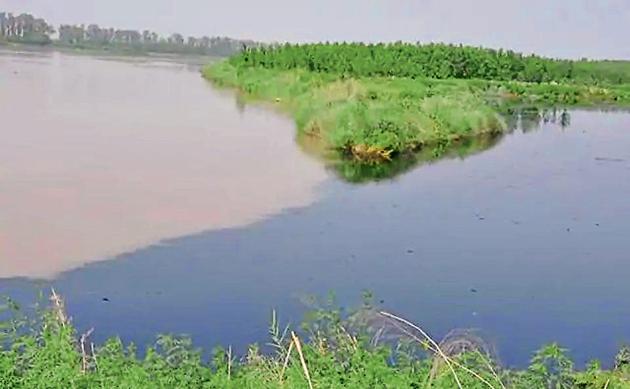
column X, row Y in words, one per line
column 99, row 157
column 526, row 241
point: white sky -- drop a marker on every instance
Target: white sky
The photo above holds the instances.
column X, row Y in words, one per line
column 565, row 28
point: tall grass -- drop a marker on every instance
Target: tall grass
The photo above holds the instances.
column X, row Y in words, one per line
column 368, row 349
column 370, row 119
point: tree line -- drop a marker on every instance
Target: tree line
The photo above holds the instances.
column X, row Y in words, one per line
column 25, row 28
column 441, row 61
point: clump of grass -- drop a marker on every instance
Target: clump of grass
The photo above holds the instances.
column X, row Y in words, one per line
column 369, row 119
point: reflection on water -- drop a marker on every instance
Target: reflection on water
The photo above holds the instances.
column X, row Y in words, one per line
column 100, row 157
column 355, row 171
column 352, row 170
column 527, row 242
column 531, row 118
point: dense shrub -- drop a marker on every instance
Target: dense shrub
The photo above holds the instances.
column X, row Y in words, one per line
column 439, row 61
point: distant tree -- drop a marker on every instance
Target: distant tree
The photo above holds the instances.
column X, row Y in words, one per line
column 127, row 36
column 176, row 39
column 205, row 42
column 26, row 28
column 72, row 34
column 95, row 34
column 3, row 23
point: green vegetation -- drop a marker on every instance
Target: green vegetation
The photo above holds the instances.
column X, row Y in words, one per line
column 27, row 29
column 432, row 61
column 357, row 351
column 368, row 118
column 356, row 171
column 374, row 102
column 24, row 28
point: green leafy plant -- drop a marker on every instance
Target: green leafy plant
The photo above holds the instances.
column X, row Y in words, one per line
column 340, row 351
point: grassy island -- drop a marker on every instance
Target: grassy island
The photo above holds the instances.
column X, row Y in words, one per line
column 376, row 102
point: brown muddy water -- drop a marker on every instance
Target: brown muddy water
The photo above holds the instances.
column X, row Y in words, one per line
column 100, row 157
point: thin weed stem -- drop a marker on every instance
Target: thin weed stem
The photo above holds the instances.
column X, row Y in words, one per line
column 298, row 348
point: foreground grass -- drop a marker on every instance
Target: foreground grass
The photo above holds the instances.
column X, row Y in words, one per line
column 329, row 354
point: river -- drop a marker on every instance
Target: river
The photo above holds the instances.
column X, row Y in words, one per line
column 155, row 203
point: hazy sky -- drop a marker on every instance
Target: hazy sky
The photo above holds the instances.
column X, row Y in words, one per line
column 568, row 28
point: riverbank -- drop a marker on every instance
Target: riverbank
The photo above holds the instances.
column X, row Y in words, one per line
column 368, row 349
column 123, row 53
column 377, row 114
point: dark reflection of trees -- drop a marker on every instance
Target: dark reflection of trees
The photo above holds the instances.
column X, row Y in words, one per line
column 240, row 104
column 511, row 118
column 355, row 171
column 525, row 119
column 531, row 118
column 565, row 119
